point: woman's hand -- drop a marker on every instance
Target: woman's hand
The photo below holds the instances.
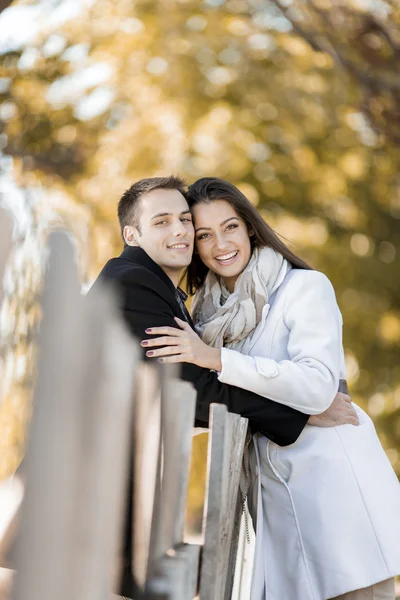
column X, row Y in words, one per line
column 182, row 345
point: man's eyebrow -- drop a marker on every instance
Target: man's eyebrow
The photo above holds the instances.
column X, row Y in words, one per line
column 223, row 223
column 166, row 214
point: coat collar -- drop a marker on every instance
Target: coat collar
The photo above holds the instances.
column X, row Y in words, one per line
column 140, row 257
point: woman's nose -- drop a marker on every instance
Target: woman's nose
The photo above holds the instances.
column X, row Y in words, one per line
column 221, row 242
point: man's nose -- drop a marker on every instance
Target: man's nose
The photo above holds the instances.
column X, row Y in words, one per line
column 179, row 228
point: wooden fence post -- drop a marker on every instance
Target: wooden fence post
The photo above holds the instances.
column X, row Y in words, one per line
column 108, row 399
column 44, row 544
column 146, row 469
column 226, row 443
column 77, row 445
column 216, row 496
column 177, row 561
column 231, row 525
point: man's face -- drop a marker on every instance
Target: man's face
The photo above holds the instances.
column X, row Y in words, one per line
column 165, row 230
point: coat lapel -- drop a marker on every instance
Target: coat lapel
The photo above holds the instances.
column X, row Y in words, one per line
column 140, row 257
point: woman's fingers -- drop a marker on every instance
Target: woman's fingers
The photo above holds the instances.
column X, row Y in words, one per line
column 162, row 341
column 344, row 397
column 177, row 358
column 183, row 324
column 166, row 351
column 164, row 331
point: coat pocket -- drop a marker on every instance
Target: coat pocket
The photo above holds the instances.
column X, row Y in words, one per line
column 282, row 471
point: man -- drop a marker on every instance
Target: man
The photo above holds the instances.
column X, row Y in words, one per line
column 157, row 229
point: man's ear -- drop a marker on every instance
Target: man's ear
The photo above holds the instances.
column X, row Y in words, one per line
column 131, row 235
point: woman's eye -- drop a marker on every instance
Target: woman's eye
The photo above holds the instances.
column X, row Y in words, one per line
column 186, row 220
column 232, row 226
column 202, row 236
column 161, row 222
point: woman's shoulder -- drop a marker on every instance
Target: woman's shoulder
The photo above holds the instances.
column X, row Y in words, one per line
column 306, row 282
column 308, row 275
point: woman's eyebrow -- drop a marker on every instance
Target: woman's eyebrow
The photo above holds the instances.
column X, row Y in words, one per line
column 221, row 224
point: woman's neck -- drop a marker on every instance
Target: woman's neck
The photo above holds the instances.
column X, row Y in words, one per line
column 230, row 283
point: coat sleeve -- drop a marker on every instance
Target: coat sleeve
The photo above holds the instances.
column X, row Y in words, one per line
column 145, row 305
column 309, row 380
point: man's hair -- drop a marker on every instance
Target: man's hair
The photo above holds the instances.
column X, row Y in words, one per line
column 128, row 213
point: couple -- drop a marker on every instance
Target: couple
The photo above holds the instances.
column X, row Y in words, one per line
column 324, row 499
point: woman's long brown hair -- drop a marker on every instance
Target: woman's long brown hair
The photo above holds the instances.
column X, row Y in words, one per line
column 210, row 189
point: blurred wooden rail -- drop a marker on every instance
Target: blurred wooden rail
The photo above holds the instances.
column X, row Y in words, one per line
column 98, row 414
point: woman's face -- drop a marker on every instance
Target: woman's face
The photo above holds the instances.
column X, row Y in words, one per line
column 221, row 239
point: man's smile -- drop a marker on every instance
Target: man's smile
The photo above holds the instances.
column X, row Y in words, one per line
column 179, row 246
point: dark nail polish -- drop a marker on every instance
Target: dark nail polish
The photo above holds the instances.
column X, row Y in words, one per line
column 149, row 353
column 144, row 343
column 148, row 330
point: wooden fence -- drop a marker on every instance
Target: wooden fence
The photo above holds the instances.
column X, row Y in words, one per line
column 99, row 416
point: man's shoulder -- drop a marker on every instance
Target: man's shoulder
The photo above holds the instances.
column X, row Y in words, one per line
column 118, row 267
column 122, row 271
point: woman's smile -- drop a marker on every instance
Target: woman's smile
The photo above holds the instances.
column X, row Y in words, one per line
column 227, row 259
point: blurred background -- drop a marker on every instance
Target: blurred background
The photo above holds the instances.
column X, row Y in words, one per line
column 295, row 101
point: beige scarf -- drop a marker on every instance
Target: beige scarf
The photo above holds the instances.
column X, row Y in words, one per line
column 224, row 319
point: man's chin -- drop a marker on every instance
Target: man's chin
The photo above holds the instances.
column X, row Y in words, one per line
column 183, row 266
column 178, row 265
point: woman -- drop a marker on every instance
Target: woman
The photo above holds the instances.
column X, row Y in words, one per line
column 327, row 508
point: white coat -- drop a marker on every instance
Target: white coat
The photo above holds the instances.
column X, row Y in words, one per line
column 327, row 507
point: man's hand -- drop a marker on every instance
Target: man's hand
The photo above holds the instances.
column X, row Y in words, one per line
column 340, row 412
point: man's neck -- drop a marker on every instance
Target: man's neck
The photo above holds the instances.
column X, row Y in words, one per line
column 173, row 275
column 137, row 254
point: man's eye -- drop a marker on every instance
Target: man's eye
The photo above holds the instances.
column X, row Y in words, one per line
column 161, row 222
column 187, row 220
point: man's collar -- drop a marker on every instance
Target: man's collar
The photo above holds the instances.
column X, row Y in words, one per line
column 140, row 257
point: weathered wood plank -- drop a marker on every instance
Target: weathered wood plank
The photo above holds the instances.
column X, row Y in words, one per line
column 216, row 500
column 234, row 547
column 78, row 447
column 180, row 567
column 178, row 410
column 45, row 542
column 231, row 523
column 146, row 448
column 158, row 588
column 107, row 401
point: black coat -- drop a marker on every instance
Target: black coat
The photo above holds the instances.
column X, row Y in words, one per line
column 150, row 299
